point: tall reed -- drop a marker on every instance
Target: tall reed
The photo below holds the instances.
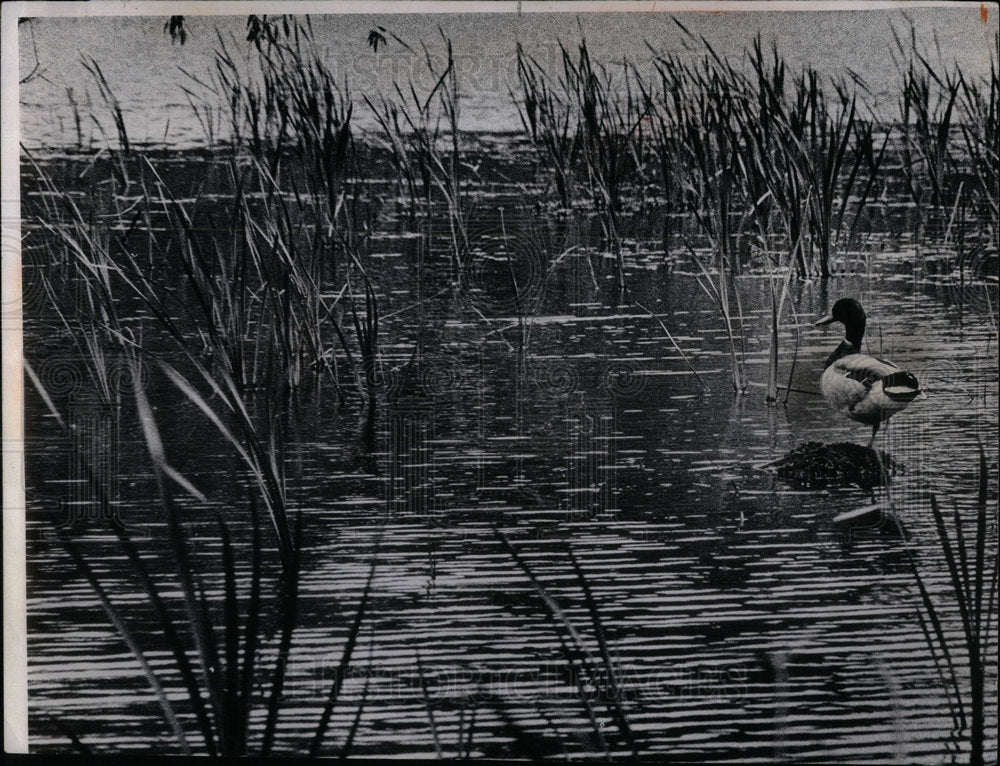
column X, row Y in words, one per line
column 226, row 678
column 926, row 113
column 809, row 160
column 600, row 674
column 549, row 121
column 422, row 133
column 588, row 123
column 980, row 107
column 303, row 207
column 229, row 677
column 973, row 580
column 609, row 115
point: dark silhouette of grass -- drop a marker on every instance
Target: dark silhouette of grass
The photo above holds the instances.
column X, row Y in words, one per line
column 581, row 665
column 974, row 583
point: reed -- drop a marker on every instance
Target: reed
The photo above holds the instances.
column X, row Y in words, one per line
column 926, row 112
column 806, row 159
column 980, row 125
column 304, row 209
column 699, row 145
column 695, row 136
column 423, row 138
column 220, row 698
column 777, row 306
column 118, row 154
column 293, row 197
column 821, row 139
column 548, row 121
column 111, row 101
column 717, row 289
column 588, row 123
column 974, row 583
column 366, row 332
column 246, row 318
column 252, row 311
column 292, row 116
column 585, row 670
column 229, row 677
column 662, row 146
column 608, row 124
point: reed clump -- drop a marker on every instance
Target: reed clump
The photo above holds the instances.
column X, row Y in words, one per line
column 926, row 113
column 549, row 122
column 236, row 278
column 588, row 124
column 423, row 137
column 973, row 583
column 980, row 110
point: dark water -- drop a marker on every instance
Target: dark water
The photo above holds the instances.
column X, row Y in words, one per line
column 742, row 622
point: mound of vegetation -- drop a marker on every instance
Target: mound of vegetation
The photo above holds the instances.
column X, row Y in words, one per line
column 814, row 465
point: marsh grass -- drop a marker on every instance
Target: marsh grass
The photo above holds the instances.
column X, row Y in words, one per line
column 111, row 104
column 973, row 581
column 244, row 326
column 548, row 121
column 423, row 137
column 104, row 277
column 589, row 126
column 596, row 678
column 301, row 201
column 927, row 108
column 609, row 115
column 227, row 677
column 980, row 105
column 701, row 147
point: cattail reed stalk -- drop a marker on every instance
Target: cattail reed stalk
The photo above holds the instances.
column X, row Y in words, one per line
column 548, row 120
column 419, row 148
column 926, row 109
column 586, row 126
column 973, row 581
column 582, row 664
column 980, row 125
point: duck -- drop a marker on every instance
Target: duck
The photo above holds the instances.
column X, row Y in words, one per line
column 862, row 387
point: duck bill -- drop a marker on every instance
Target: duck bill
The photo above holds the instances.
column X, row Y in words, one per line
column 828, row 319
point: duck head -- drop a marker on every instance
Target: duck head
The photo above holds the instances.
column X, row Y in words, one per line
column 848, row 312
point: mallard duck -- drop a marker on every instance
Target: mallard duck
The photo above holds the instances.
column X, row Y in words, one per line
column 860, row 386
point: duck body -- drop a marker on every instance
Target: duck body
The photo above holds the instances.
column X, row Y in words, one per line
column 866, row 389
column 862, row 387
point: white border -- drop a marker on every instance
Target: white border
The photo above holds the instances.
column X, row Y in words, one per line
column 241, row 7
column 15, row 647
column 15, row 701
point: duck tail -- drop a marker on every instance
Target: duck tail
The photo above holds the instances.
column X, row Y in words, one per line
column 901, row 386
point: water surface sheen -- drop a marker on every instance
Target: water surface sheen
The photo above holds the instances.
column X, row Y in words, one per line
column 743, row 624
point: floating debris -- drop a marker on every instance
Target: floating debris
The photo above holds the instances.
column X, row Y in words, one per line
column 872, row 519
column 814, row 465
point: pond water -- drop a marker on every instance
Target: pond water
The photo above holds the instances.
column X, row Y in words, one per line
column 742, row 622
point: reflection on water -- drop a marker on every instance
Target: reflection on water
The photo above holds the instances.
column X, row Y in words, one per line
column 742, row 623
